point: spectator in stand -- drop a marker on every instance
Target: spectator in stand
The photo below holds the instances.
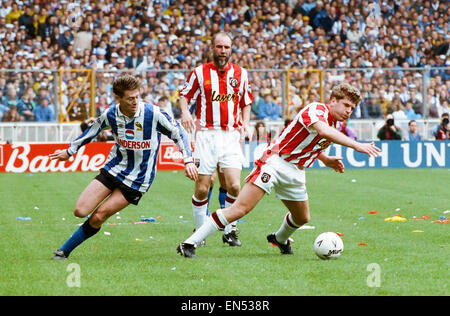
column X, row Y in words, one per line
column 260, row 135
column 295, row 102
column 354, row 35
column 66, row 38
column 373, row 107
column 134, row 60
column 305, row 7
column 433, row 103
column 12, row 115
column 44, row 111
column 14, row 14
column 11, row 96
column 324, row 17
column 269, row 109
column 83, row 38
column 43, row 93
column 410, row 113
column 389, row 131
column 101, row 106
column 26, row 107
column 444, row 108
column 390, row 93
column 257, row 101
column 416, row 100
column 164, row 103
column 26, row 18
column 444, row 96
column 347, row 130
column 120, row 64
column 399, row 112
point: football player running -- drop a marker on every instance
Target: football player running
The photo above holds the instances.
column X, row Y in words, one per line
column 282, row 168
column 131, row 166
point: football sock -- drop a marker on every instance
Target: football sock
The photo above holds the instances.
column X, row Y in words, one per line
column 212, row 224
column 84, row 232
column 209, row 198
column 199, row 210
column 222, row 197
column 219, row 219
column 228, row 202
column 288, row 227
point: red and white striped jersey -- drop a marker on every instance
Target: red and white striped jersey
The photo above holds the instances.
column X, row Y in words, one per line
column 219, row 95
column 298, row 143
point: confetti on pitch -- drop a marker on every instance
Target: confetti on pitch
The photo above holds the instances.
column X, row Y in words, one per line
column 396, row 218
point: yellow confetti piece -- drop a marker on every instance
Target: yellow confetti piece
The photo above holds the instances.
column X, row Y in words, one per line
column 396, row 218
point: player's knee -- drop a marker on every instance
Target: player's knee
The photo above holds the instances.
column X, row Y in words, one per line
column 234, row 189
column 79, row 212
column 201, row 192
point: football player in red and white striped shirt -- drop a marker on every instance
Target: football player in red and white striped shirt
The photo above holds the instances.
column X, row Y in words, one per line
column 282, row 165
column 221, row 91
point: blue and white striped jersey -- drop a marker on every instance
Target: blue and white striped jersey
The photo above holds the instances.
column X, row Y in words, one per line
column 132, row 160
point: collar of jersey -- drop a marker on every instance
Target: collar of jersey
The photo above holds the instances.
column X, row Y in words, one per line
column 138, row 112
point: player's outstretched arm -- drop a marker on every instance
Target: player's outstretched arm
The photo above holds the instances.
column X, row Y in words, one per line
column 367, row 148
column 61, row 155
column 190, row 170
column 337, row 137
column 332, row 162
column 86, row 137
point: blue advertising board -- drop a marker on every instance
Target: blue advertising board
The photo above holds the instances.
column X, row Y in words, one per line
column 394, row 154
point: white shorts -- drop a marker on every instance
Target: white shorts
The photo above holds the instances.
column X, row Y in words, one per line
column 217, row 148
column 286, row 178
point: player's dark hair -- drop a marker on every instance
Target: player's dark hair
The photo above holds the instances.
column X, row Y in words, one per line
column 346, row 90
column 124, row 83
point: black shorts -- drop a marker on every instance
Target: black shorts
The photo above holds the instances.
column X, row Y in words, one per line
column 131, row 195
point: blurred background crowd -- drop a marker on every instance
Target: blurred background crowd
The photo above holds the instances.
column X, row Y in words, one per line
column 396, row 52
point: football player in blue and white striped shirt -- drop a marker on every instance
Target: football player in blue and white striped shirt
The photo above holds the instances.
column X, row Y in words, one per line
column 131, row 165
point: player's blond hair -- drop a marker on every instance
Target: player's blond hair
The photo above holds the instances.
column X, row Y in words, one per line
column 124, row 83
column 346, row 90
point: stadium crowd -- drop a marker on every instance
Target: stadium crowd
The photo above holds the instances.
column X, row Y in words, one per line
column 350, row 39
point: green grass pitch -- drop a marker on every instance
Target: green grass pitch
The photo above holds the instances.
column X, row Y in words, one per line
column 398, row 258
